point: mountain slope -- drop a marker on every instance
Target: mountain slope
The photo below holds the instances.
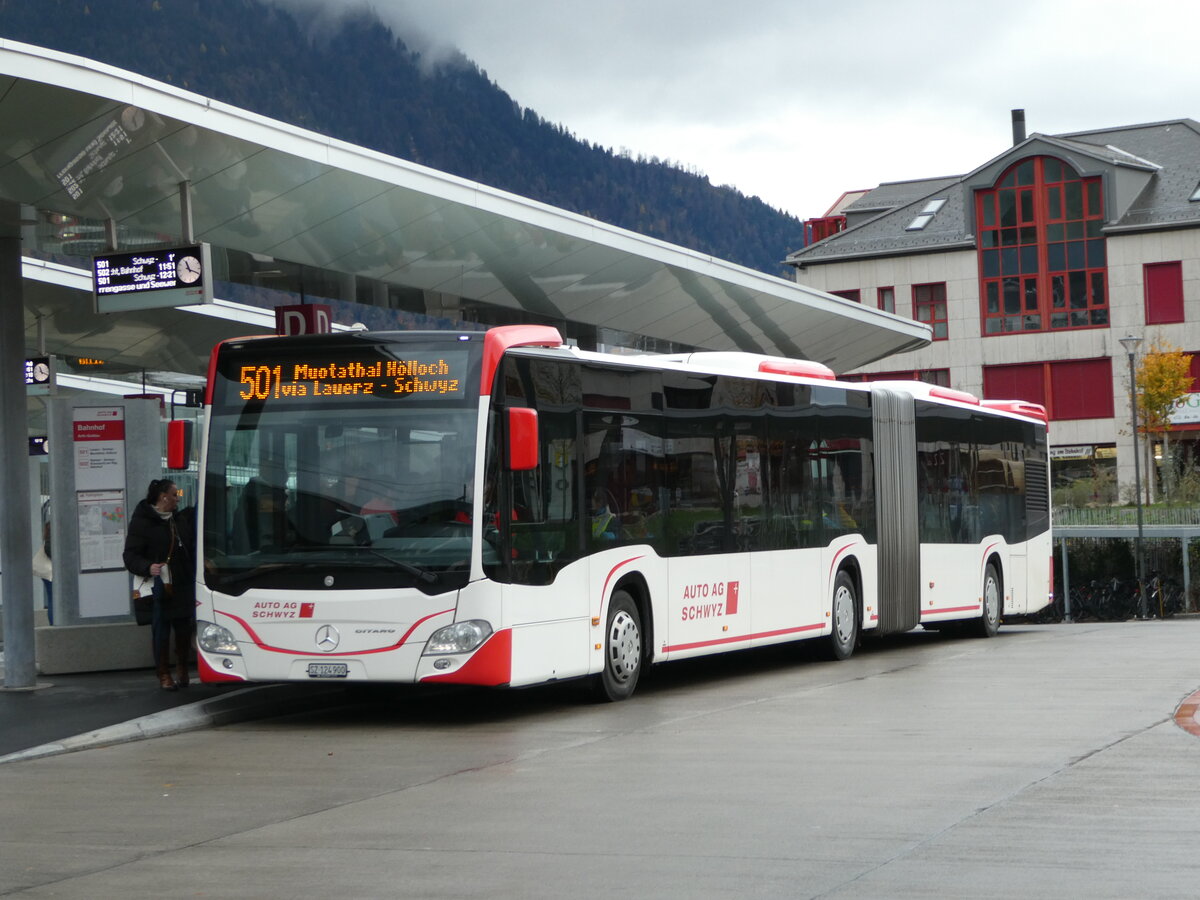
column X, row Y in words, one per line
column 358, row 82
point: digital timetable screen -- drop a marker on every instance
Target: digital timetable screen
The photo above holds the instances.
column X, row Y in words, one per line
column 152, row 278
column 420, row 375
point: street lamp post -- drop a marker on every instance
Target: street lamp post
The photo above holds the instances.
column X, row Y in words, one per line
column 1131, row 344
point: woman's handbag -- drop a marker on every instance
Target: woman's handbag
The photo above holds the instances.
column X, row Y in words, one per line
column 143, row 601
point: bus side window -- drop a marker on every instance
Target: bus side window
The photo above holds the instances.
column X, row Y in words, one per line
column 544, row 526
column 622, row 477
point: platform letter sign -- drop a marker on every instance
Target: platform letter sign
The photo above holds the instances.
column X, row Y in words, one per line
column 309, row 318
column 151, row 279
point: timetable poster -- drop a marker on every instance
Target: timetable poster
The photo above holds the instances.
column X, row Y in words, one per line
column 101, row 530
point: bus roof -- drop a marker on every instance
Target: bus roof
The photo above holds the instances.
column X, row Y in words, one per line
column 772, row 368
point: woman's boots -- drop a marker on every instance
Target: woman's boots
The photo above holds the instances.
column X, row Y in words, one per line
column 162, row 664
column 164, row 677
column 183, row 652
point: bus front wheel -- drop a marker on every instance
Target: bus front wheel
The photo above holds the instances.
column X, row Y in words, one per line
column 622, row 650
column 841, row 641
column 988, row 622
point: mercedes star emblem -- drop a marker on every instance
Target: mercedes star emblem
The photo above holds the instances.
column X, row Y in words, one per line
column 327, row 638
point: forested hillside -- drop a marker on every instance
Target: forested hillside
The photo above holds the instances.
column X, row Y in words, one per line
column 359, row 82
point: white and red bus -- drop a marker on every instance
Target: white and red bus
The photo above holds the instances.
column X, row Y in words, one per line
column 496, row 508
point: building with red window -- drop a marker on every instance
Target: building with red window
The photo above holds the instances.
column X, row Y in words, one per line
column 1030, row 269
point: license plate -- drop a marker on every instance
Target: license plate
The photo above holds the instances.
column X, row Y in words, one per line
column 328, row 670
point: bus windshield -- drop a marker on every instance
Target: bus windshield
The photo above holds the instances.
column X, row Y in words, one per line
column 321, row 487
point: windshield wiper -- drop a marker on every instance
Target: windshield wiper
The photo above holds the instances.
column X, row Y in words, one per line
column 227, row 581
column 422, row 575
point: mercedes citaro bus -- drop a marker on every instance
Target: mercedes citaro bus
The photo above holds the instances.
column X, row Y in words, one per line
column 497, row 508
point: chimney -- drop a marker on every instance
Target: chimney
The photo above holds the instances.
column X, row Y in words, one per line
column 1018, row 123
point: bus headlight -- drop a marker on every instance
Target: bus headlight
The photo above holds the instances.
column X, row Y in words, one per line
column 214, row 638
column 461, row 637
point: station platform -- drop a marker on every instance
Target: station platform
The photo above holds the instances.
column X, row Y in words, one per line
column 64, row 713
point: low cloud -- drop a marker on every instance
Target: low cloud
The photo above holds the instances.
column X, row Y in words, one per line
column 798, row 100
column 319, row 17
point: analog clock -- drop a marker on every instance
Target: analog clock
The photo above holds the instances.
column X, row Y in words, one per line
column 187, row 269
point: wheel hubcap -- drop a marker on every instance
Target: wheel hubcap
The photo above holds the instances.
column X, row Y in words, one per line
column 991, row 600
column 624, row 647
column 843, row 615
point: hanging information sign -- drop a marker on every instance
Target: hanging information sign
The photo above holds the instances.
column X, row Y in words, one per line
column 151, row 279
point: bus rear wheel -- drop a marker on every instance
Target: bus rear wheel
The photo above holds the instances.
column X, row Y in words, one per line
column 988, row 623
column 841, row 641
column 622, row 650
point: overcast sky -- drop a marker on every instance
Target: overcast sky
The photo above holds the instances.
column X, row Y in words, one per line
column 797, row 101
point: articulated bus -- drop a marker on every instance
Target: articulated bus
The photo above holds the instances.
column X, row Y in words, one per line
column 496, row 508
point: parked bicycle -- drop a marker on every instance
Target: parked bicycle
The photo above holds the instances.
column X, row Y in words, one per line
column 1164, row 597
column 1111, row 600
column 1116, row 600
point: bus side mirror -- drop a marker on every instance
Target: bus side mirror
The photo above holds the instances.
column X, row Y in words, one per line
column 522, row 439
column 179, row 444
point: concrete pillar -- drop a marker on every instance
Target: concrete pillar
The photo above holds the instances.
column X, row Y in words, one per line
column 16, row 530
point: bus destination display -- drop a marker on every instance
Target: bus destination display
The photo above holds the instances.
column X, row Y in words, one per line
column 429, row 376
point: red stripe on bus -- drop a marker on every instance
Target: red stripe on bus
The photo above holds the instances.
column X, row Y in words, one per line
column 744, row 637
column 950, row 609
column 489, row 667
column 262, row 645
column 209, row 675
column 611, row 572
column 836, row 557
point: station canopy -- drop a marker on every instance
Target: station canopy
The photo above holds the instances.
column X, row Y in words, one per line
column 88, row 143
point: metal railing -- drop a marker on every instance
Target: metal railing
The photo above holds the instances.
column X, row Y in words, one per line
column 1095, row 545
column 1107, row 516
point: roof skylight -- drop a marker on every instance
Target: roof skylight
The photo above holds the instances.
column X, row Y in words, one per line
column 925, row 216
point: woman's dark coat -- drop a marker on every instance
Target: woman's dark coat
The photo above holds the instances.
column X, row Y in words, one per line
column 148, row 541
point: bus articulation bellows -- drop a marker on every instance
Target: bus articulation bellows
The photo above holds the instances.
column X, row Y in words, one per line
column 496, row 508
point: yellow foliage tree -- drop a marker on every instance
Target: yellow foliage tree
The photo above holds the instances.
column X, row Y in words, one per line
column 1164, row 377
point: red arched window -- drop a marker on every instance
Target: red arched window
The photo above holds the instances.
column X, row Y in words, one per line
column 1042, row 263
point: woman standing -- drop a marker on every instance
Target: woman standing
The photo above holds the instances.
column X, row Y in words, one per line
column 159, row 545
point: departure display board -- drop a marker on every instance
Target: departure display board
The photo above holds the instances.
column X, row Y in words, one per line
column 425, row 375
column 149, row 279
